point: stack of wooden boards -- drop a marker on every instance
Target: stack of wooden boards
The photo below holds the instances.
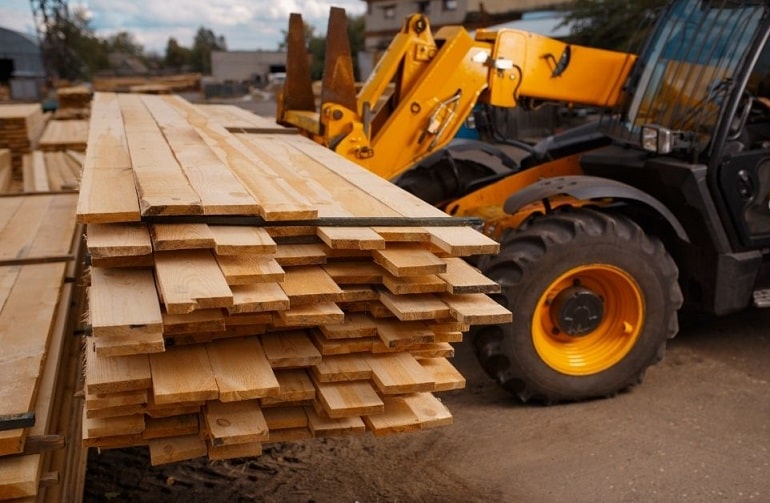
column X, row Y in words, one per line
column 250, row 286
column 77, row 97
column 64, row 135
column 21, row 125
column 52, row 171
column 6, row 171
column 41, row 303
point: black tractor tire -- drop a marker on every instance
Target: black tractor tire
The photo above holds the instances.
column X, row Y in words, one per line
column 619, row 271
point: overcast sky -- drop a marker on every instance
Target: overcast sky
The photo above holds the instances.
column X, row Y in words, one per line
column 245, row 24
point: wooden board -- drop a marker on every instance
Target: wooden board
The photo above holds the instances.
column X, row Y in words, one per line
column 241, row 369
column 182, row 374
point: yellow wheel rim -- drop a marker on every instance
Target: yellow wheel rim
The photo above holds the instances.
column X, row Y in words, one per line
column 609, row 340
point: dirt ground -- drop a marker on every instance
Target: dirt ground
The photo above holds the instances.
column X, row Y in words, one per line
column 696, row 430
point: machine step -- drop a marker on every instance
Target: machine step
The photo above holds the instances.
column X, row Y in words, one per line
column 762, row 297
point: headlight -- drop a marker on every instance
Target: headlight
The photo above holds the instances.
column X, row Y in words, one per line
column 657, row 139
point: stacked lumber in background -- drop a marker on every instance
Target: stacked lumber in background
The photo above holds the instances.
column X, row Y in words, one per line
column 177, row 83
column 64, row 135
column 6, row 171
column 52, row 171
column 74, row 97
column 20, row 128
column 250, row 286
column 41, row 303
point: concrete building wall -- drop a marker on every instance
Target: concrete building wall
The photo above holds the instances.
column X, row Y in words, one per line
column 246, row 66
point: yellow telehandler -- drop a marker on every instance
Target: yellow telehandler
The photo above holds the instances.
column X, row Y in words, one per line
column 603, row 235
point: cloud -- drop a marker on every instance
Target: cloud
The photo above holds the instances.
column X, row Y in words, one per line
column 245, row 24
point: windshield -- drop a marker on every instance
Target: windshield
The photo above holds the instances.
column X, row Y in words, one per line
column 687, row 68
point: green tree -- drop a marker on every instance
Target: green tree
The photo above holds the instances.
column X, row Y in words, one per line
column 611, row 24
column 125, row 43
column 177, row 56
column 204, row 43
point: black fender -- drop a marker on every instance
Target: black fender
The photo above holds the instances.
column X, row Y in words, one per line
column 585, row 188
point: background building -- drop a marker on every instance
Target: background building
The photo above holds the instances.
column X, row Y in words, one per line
column 21, row 66
column 384, row 17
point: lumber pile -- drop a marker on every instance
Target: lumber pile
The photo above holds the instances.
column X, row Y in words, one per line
column 177, row 83
column 74, row 97
column 250, row 286
column 20, row 128
column 64, row 135
column 39, row 309
column 6, row 172
column 52, row 171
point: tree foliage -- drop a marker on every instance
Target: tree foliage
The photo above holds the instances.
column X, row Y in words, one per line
column 610, row 24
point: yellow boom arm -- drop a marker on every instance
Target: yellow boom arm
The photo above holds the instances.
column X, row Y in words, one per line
column 424, row 87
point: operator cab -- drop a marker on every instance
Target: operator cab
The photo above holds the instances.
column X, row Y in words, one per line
column 700, row 94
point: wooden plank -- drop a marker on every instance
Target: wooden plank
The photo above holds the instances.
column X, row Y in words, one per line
column 115, row 374
column 461, row 277
column 19, row 476
column 462, row 241
column 354, row 325
column 301, row 254
column 232, row 240
column 173, row 426
column 340, row 368
column 107, row 192
column 174, row 449
column 477, row 309
column 403, row 234
column 136, row 397
column 124, row 302
column 241, row 369
column 181, row 237
column 348, row 399
column 205, row 320
column 118, row 240
column 429, row 410
column 290, row 349
column 329, row 427
column 295, row 385
column 354, row 273
column 112, row 426
column 220, row 191
column 309, row 285
column 40, row 226
column 190, row 280
column 310, row 315
column 282, row 418
column 397, row 334
column 415, row 307
column 329, row 347
column 413, row 284
column 234, row 422
column 385, row 192
column 182, row 374
column 277, row 199
column 397, row 418
column 351, row 238
column 258, row 297
column 248, row 269
column 161, row 183
column 408, row 261
column 443, row 373
column 398, row 373
column 25, row 328
column 39, row 173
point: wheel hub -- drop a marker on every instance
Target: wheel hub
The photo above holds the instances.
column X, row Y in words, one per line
column 577, row 311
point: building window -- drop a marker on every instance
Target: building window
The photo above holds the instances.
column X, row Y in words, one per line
column 423, row 7
column 450, row 4
column 389, row 11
